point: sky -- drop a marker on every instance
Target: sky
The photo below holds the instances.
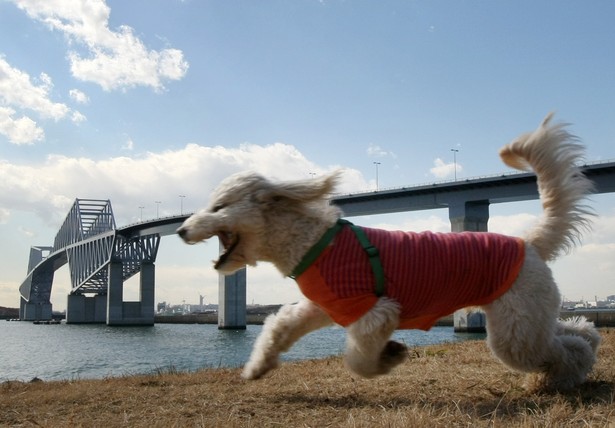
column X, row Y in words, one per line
column 142, row 101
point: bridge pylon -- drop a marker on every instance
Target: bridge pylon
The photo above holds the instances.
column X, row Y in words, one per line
column 38, row 286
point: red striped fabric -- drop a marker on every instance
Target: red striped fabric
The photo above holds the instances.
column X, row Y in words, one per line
column 430, row 274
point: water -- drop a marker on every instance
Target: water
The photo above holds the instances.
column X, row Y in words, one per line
column 68, row 352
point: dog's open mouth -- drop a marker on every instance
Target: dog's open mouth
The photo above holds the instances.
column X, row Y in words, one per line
column 229, row 241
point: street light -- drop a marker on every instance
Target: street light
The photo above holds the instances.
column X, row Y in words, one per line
column 377, row 163
column 141, row 217
column 157, row 208
column 181, row 204
column 455, row 161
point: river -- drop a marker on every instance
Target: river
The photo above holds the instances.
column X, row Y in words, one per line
column 94, row 351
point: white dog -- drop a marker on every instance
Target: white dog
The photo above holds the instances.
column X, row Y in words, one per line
column 373, row 291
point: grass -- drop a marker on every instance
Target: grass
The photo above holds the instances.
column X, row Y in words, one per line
column 454, row 385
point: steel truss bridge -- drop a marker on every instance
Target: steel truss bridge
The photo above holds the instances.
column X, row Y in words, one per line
column 97, row 253
column 101, row 256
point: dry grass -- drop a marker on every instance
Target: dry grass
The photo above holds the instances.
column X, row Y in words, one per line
column 447, row 385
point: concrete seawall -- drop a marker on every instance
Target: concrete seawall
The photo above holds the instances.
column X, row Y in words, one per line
column 203, row 319
column 600, row 317
column 256, row 319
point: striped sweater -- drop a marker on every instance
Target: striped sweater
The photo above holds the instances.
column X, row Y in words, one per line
column 430, row 274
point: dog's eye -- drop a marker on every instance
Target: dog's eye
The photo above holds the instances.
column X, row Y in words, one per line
column 217, row 208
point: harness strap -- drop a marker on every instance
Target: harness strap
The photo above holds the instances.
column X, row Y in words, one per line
column 372, row 253
column 313, row 253
column 374, row 258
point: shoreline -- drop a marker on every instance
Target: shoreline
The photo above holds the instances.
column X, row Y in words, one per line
column 600, row 317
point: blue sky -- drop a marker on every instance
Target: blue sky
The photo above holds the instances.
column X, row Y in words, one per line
column 142, row 101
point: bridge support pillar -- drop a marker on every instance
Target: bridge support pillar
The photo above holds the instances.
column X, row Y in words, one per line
column 469, row 217
column 147, row 298
column 31, row 311
column 232, row 301
column 81, row 309
column 115, row 294
column 469, row 320
column 130, row 313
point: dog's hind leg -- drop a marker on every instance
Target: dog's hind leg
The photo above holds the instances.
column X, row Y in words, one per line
column 579, row 341
column 369, row 352
column 524, row 332
column 280, row 331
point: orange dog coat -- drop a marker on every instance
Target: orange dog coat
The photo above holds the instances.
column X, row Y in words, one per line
column 430, row 274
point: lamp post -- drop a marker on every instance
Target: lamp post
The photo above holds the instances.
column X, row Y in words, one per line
column 377, row 163
column 455, row 161
column 141, row 215
column 157, row 208
column 181, row 204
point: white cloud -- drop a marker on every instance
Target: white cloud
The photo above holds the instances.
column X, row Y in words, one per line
column 128, row 145
column 17, row 89
column 512, row 225
column 18, row 92
column 79, row 96
column 78, row 117
column 27, row 232
column 444, row 170
column 21, row 130
column 49, row 189
column 375, row 150
column 114, row 59
column 46, row 82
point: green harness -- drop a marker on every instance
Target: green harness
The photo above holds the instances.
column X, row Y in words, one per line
column 372, row 253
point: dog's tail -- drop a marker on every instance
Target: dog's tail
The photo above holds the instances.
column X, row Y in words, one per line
column 554, row 155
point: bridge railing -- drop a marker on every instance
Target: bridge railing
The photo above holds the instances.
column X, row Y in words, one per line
column 509, row 173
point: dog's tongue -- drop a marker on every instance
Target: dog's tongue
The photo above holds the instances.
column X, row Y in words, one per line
column 226, row 254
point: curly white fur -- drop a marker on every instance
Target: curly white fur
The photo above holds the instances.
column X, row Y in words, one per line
column 259, row 220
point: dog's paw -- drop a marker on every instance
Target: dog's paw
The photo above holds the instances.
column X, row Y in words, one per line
column 393, row 354
column 256, row 370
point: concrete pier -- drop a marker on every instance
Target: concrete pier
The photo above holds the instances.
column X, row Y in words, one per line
column 130, row 313
column 469, row 216
column 232, row 301
column 29, row 311
column 469, row 321
column 115, row 293
column 82, row 309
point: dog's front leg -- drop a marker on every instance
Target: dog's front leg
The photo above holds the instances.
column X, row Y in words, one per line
column 369, row 352
column 279, row 333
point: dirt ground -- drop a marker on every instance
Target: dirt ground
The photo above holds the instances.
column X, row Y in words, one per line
column 447, row 385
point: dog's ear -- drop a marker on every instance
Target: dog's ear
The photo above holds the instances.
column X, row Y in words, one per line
column 301, row 190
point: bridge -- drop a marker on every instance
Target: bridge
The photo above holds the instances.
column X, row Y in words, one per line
column 467, row 200
column 101, row 256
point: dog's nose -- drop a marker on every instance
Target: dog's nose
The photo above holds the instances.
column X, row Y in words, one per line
column 182, row 232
